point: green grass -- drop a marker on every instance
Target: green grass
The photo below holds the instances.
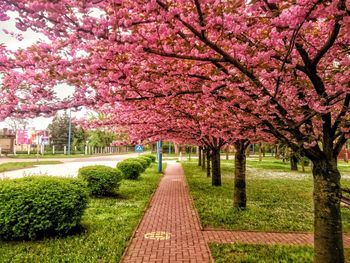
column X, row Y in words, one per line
column 271, row 163
column 108, row 224
column 276, row 202
column 223, row 253
column 4, row 167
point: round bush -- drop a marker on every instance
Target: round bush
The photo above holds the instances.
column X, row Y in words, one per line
column 131, row 169
column 153, row 157
column 101, row 180
column 143, row 162
column 147, row 159
column 38, row 206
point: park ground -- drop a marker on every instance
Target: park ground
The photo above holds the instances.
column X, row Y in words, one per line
column 279, row 202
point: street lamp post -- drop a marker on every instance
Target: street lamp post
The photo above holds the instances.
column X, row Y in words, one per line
column 159, row 154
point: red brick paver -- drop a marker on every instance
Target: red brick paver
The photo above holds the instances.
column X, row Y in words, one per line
column 170, row 211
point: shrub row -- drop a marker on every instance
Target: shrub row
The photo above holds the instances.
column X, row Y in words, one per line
column 38, row 206
column 133, row 167
column 101, row 180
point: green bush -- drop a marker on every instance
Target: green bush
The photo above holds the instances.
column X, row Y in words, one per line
column 147, row 159
column 101, row 180
column 153, row 157
column 131, row 169
column 143, row 162
column 38, row 206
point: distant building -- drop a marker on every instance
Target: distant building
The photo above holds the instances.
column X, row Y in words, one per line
column 7, row 140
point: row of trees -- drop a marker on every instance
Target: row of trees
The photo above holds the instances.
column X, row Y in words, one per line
column 203, row 72
column 80, row 137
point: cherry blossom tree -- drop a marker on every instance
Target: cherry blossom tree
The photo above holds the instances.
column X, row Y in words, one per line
column 285, row 64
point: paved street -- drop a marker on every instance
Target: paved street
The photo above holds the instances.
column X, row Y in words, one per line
column 69, row 167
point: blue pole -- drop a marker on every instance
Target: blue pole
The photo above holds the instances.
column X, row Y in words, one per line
column 69, row 131
column 159, row 153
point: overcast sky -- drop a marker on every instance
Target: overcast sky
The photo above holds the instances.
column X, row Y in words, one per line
column 29, row 37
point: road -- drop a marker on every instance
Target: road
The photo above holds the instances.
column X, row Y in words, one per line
column 69, row 166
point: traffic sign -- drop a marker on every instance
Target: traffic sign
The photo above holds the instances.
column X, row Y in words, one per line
column 139, row 148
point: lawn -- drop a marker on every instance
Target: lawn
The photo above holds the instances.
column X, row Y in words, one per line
column 278, row 200
column 223, row 253
column 4, row 167
column 108, row 223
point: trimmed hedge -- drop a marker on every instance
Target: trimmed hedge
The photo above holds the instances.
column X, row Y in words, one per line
column 148, row 160
column 153, row 157
column 143, row 162
column 131, row 169
column 101, row 180
column 38, row 206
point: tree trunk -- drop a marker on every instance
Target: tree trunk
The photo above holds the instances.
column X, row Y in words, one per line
column 260, row 152
column 293, row 162
column 176, row 148
column 263, row 150
column 328, row 238
column 303, row 164
column 200, row 156
column 227, row 157
column 346, row 154
column 208, row 162
column 240, row 196
column 204, row 151
column 216, row 170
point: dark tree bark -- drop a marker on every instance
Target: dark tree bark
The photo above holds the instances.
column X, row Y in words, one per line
column 208, row 157
column 204, row 155
column 240, row 196
column 277, row 153
column 263, row 150
column 247, row 152
column 303, row 164
column 293, row 161
column 346, row 153
column 200, row 155
column 216, row 169
column 327, row 221
column 260, row 152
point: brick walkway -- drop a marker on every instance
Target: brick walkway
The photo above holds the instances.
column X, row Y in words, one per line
column 171, row 211
column 170, row 230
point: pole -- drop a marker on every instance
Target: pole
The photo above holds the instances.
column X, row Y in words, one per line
column 69, row 130
column 159, row 154
column 169, row 147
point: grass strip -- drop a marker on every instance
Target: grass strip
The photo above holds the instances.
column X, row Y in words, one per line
column 4, row 167
column 108, row 223
column 223, row 253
